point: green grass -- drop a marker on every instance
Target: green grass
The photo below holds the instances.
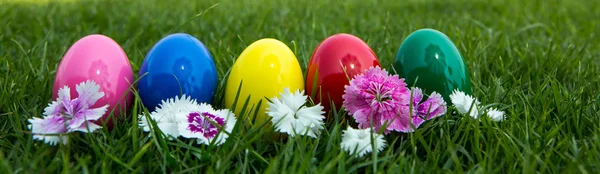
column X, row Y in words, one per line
column 537, row 60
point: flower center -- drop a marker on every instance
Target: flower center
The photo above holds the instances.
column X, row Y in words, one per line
column 363, row 135
column 70, row 108
column 204, row 123
column 381, row 95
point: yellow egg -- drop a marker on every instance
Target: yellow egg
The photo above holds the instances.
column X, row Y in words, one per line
column 264, row 69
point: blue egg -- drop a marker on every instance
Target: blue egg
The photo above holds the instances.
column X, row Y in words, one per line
column 178, row 64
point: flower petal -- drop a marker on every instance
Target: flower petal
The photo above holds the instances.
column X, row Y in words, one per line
column 353, row 98
column 363, row 117
column 292, row 121
column 358, row 141
column 293, row 100
column 49, row 125
column 144, row 123
column 402, row 122
column 310, row 121
column 52, row 139
column 417, row 95
column 277, row 110
column 86, row 115
column 64, row 93
column 434, row 106
column 465, row 104
column 88, row 92
column 201, row 137
column 53, row 109
column 170, row 129
column 96, row 113
column 495, row 114
column 230, row 119
column 87, row 127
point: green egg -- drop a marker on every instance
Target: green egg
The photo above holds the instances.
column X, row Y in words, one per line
column 429, row 60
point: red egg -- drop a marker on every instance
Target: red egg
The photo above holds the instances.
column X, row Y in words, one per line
column 100, row 59
column 334, row 61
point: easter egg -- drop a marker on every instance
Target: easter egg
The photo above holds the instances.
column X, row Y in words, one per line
column 100, row 59
column 264, row 69
column 336, row 60
column 429, row 60
column 178, row 64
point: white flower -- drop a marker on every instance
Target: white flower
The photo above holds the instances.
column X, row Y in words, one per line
column 166, row 115
column 205, row 124
column 292, row 117
column 463, row 103
column 183, row 116
column 358, row 141
column 495, row 114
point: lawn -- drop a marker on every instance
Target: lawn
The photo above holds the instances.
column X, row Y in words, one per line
column 536, row 60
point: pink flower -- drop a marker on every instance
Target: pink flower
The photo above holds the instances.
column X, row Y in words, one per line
column 374, row 97
column 434, row 106
column 377, row 98
column 68, row 115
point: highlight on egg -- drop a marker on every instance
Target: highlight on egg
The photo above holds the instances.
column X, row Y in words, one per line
column 100, row 59
column 177, row 64
column 428, row 59
column 334, row 61
column 263, row 70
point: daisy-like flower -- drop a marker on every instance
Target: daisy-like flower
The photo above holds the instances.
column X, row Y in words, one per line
column 204, row 123
column 291, row 116
column 183, row 116
column 166, row 115
column 68, row 115
column 495, row 114
column 377, row 98
column 358, row 141
column 465, row 103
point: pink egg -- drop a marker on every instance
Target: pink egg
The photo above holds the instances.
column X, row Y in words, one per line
column 101, row 59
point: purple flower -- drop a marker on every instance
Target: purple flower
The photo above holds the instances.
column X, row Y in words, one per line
column 376, row 98
column 49, row 125
column 68, row 115
column 204, row 123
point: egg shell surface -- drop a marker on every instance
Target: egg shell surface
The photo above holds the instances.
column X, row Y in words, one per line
column 428, row 59
column 102, row 60
column 178, row 64
column 264, row 69
column 335, row 60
